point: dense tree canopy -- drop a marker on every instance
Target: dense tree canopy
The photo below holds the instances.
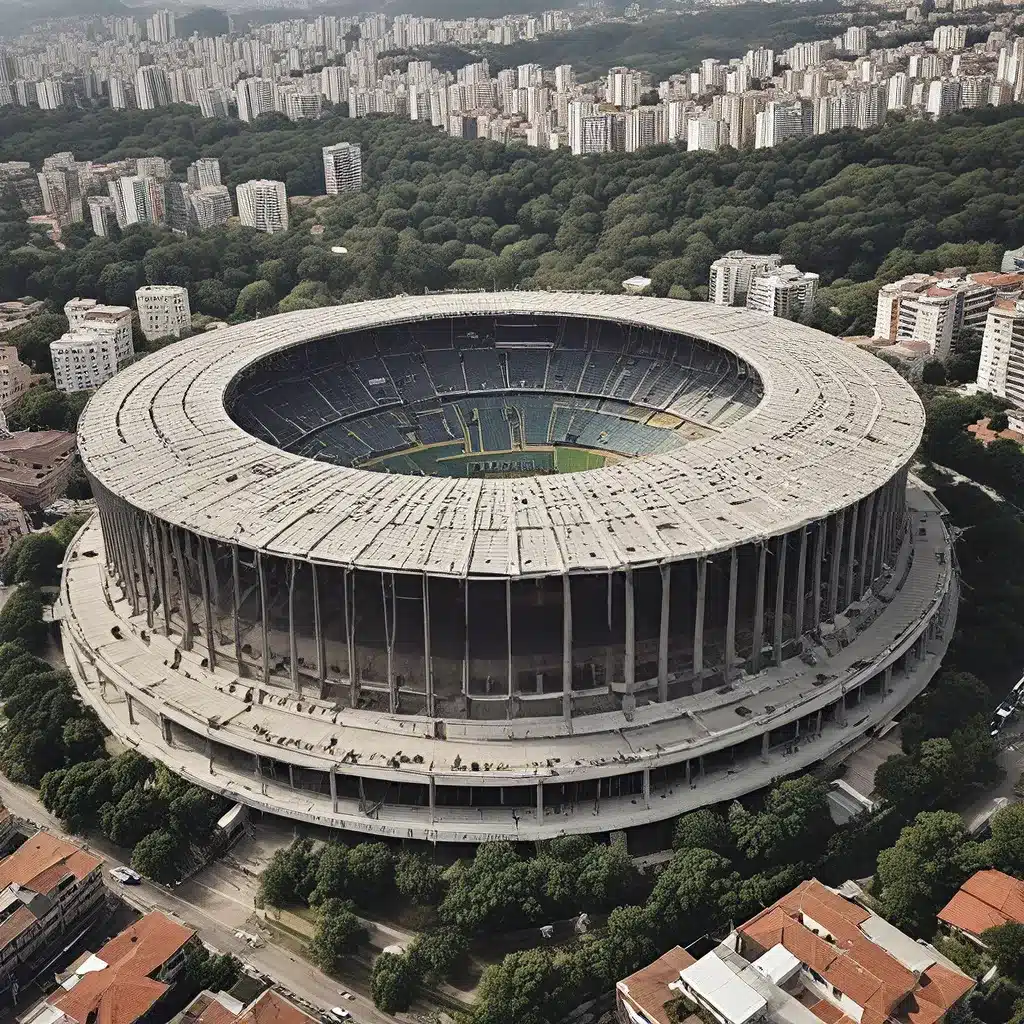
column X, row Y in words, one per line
column 438, row 212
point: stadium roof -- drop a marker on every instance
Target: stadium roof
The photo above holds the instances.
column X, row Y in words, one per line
column 834, row 424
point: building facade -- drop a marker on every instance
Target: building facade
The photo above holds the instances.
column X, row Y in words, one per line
column 163, row 311
column 263, row 205
column 343, row 168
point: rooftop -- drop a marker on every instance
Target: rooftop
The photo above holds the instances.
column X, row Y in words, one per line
column 648, row 988
column 883, row 971
column 834, row 424
column 122, row 991
column 988, row 899
column 43, row 861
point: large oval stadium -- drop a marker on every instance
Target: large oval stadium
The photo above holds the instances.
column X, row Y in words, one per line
column 463, row 566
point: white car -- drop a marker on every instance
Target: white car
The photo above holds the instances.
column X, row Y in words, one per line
column 339, row 1014
column 126, row 876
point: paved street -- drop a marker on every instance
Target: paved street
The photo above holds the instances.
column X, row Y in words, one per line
column 216, row 908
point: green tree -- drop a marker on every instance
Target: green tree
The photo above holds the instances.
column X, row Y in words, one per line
column 1006, row 845
column 338, row 933
column 439, row 954
column 255, row 299
column 393, row 982
column 917, row 876
column 159, row 856
column 21, row 618
column 34, row 559
column 704, row 829
column 418, row 878
column 290, row 876
column 1006, row 944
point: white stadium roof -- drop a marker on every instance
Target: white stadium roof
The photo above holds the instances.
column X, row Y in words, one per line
column 834, row 425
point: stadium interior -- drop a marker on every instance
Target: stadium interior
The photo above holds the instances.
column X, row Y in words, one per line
column 493, row 395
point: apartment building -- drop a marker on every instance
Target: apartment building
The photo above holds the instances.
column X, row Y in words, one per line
column 936, row 308
column 48, row 888
column 1001, row 368
column 97, row 345
column 123, row 981
column 732, row 273
column 343, row 168
column 15, row 377
column 35, row 466
column 263, row 205
column 786, row 292
column 163, row 311
column 816, row 956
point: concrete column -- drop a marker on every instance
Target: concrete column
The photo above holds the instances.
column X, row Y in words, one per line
column 508, row 636
column 209, row 753
column 801, row 586
column 865, row 546
column 629, row 665
column 348, row 585
column 236, row 603
column 780, row 596
column 428, row 664
column 186, row 597
column 764, row 745
column 687, row 766
column 698, row 626
column 165, row 730
column 334, row 789
column 291, row 776
column 259, row 768
column 389, row 638
column 833, row 576
column 161, row 572
column 851, row 555
column 730, row 621
column 647, row 788
column 819, row 557
column 666, row 588
column 204, row 583
column 465, row 638
column 264, row 616
column 432, row 796
column 876, row 533
column 140, row 566
column 762, row 556
column 540, row 801
column 293, row 651
column 318, row 631
column 818, row 726
column 131, row 708
column 888, row 676
column 566, row 649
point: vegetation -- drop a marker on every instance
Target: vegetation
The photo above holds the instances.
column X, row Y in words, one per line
column 438, row 212
column 35, row 558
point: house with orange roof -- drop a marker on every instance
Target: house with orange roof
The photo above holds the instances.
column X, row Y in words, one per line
column 269, row 1007
column 123, row 981
column 847, row 963
column 643, row 997
column 48, row 888
column 988, row 899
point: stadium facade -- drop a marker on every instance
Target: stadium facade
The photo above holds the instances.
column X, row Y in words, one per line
column 349, row 566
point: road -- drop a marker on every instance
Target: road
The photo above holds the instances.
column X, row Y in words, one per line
column 213, row 908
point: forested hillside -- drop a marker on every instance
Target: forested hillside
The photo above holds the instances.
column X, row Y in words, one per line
column 440, row 213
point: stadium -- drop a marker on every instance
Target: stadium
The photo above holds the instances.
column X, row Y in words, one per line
column 520, row 564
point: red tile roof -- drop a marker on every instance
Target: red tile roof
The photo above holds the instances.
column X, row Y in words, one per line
column 21, row 919
column 648, row 988
column 272, row 1008
column 830, row 1013
column 847, row 959
column 43, row 861
column 123, row 991
column 986, row 900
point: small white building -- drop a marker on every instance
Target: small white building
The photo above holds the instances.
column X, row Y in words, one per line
column 787, row 292
column 263, row 205
column 163, row 311
column 636, row 285
column 732, row 273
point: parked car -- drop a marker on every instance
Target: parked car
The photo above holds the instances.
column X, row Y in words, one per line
column 337, row 1014
column 126, row 876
